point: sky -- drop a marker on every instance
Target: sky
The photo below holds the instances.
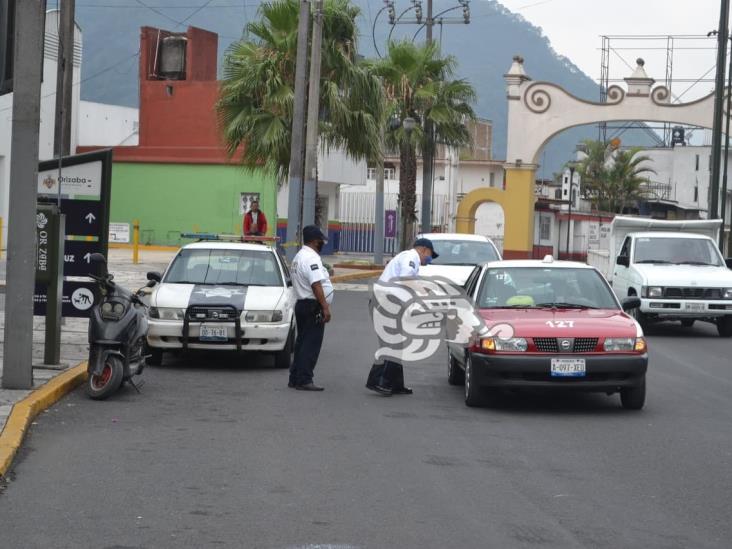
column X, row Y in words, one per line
column 574, row 28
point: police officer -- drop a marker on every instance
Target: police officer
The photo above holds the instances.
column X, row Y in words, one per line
column 387, row 377
column 314, row 293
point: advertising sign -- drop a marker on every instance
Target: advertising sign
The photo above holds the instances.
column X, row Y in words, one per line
column 119, row 233
column 390, row 223
column 82, row 192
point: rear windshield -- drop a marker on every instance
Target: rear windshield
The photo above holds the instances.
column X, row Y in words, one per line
column 225, row 267
column 533, row 287
column 463, row 252
column 676, row 251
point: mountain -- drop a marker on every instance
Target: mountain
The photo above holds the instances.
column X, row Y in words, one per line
column 484, row 50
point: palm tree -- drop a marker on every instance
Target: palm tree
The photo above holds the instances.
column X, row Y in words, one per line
column 418, row 84
column 613, row 179
column 256, row 98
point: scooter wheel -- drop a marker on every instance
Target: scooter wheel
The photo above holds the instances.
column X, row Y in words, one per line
column 99, row 387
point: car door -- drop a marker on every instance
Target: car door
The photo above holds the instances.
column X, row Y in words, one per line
column 621, row 272
column 471, row 289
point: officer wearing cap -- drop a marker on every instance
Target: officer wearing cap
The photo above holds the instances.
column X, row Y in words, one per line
column 387, row 377
column 314, row 294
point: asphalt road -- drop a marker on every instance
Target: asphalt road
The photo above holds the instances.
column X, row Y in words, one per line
column 220, row 453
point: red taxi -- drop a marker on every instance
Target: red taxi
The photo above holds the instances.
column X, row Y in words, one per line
column 552, row 324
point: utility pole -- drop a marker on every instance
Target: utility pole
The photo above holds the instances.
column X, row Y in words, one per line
column 311, row 150
column 297, row 143
column 727, row 115
column 64, row 79
column 21, row 266
column 722, row 36
column 428, row 153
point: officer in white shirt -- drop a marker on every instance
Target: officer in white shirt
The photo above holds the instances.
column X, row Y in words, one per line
column 387, row 377
column 314, row 294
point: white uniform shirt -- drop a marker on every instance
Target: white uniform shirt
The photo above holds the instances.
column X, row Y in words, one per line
column 307, row 269
column 403, row 264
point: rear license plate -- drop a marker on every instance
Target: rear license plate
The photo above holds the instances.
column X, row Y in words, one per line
column 209, row 333
column 694, row 307
column 568, row 367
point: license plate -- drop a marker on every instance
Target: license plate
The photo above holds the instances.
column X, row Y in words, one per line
column 210, row 333
column 694, row 307
column 568, row 367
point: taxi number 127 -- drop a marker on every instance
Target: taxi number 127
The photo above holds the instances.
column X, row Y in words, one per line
column 560, row 323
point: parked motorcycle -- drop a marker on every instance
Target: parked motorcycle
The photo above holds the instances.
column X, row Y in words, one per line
column 117, row 331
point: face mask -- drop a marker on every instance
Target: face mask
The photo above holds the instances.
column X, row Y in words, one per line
column 428, row 260
column 320, row 245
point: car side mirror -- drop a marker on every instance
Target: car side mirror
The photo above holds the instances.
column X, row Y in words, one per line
column 728, row 261
column 630, row 302
column 289, row 283
column 154, row 277
column 99, row 262
column 623, row 260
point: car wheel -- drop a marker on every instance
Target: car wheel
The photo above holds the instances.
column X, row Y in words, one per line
column 455, row 375
column 283, row 358
column 153, row 356
column 633, row 398
column 473, row 395
column 639, row 316
column 724, row 326
column 687, row 322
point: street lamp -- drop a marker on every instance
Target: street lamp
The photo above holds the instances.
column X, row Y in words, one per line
column 409, row 124
column 572, row 167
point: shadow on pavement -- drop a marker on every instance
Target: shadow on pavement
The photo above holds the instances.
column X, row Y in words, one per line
column 218, row 361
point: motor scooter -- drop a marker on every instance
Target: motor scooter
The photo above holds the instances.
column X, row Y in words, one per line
column 117, row 332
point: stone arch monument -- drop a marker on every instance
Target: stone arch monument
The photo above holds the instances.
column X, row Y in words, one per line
column 537, row 111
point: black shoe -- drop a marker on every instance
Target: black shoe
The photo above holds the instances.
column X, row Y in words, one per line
column 385, row 391
column 309, row 387
column 402, row 391
column 290, row 384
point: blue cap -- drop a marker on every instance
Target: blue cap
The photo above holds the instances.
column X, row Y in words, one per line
column 313, row 232
column 427, row 243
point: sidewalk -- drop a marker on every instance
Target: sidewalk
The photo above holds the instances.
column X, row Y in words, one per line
column 74, row 346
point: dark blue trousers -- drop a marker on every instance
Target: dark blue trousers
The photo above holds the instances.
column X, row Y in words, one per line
column 308, row 343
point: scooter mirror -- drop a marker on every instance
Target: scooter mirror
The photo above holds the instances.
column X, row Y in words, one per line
column 98, row 258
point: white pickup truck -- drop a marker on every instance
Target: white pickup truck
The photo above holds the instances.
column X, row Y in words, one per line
column 675, row 267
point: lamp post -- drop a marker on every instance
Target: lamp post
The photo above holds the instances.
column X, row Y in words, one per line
column 572, row 169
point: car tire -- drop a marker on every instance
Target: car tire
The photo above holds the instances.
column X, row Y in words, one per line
column 688, row 322
column 724, row 326
column 154, row 357
column 455, row 374
column 283, row 358
column 638, row 315
column 473, row 392
column 634, row 398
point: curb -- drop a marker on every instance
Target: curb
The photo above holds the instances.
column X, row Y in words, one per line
column 355, row 276
column 26, row 410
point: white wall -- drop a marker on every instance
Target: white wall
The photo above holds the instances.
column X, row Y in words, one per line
column 336, row 167
column 48, row 109
column 107, row 125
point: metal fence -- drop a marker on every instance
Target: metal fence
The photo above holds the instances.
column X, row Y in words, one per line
column 357, row 214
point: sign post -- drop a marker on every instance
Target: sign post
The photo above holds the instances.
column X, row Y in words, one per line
column 83, row 192
column 50, row 225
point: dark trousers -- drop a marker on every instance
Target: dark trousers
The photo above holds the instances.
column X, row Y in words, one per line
column 309, row 340
column 390, row 374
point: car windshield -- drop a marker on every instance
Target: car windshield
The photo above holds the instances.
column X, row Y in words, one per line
column 463, row 252
column 539, row 287
column 225, row 267
column 676, row 251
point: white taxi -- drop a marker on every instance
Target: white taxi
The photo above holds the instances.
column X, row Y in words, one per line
column 223, row 296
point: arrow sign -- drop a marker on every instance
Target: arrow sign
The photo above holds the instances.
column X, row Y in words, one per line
column 87, row 258
column 90, row 217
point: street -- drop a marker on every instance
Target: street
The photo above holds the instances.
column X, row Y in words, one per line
column 219, row 452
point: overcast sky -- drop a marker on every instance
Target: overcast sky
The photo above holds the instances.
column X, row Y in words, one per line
column 574, row 28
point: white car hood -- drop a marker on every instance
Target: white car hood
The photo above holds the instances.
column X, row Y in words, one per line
column 458, row 274
column 684, row 275
column 254, row 298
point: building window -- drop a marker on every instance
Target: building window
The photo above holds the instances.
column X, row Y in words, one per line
column 545, row 228
column 696, row 193
column 491, row 179
column 710, row 162
column 697, row 163
column 389, row 173
column 558, row 194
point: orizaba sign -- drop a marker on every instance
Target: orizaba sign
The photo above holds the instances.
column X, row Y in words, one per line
column 82, row 191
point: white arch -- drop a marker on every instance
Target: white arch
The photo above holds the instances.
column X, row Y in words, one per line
column 537, row 111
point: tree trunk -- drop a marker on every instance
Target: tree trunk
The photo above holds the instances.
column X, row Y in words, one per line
column 407, row 195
